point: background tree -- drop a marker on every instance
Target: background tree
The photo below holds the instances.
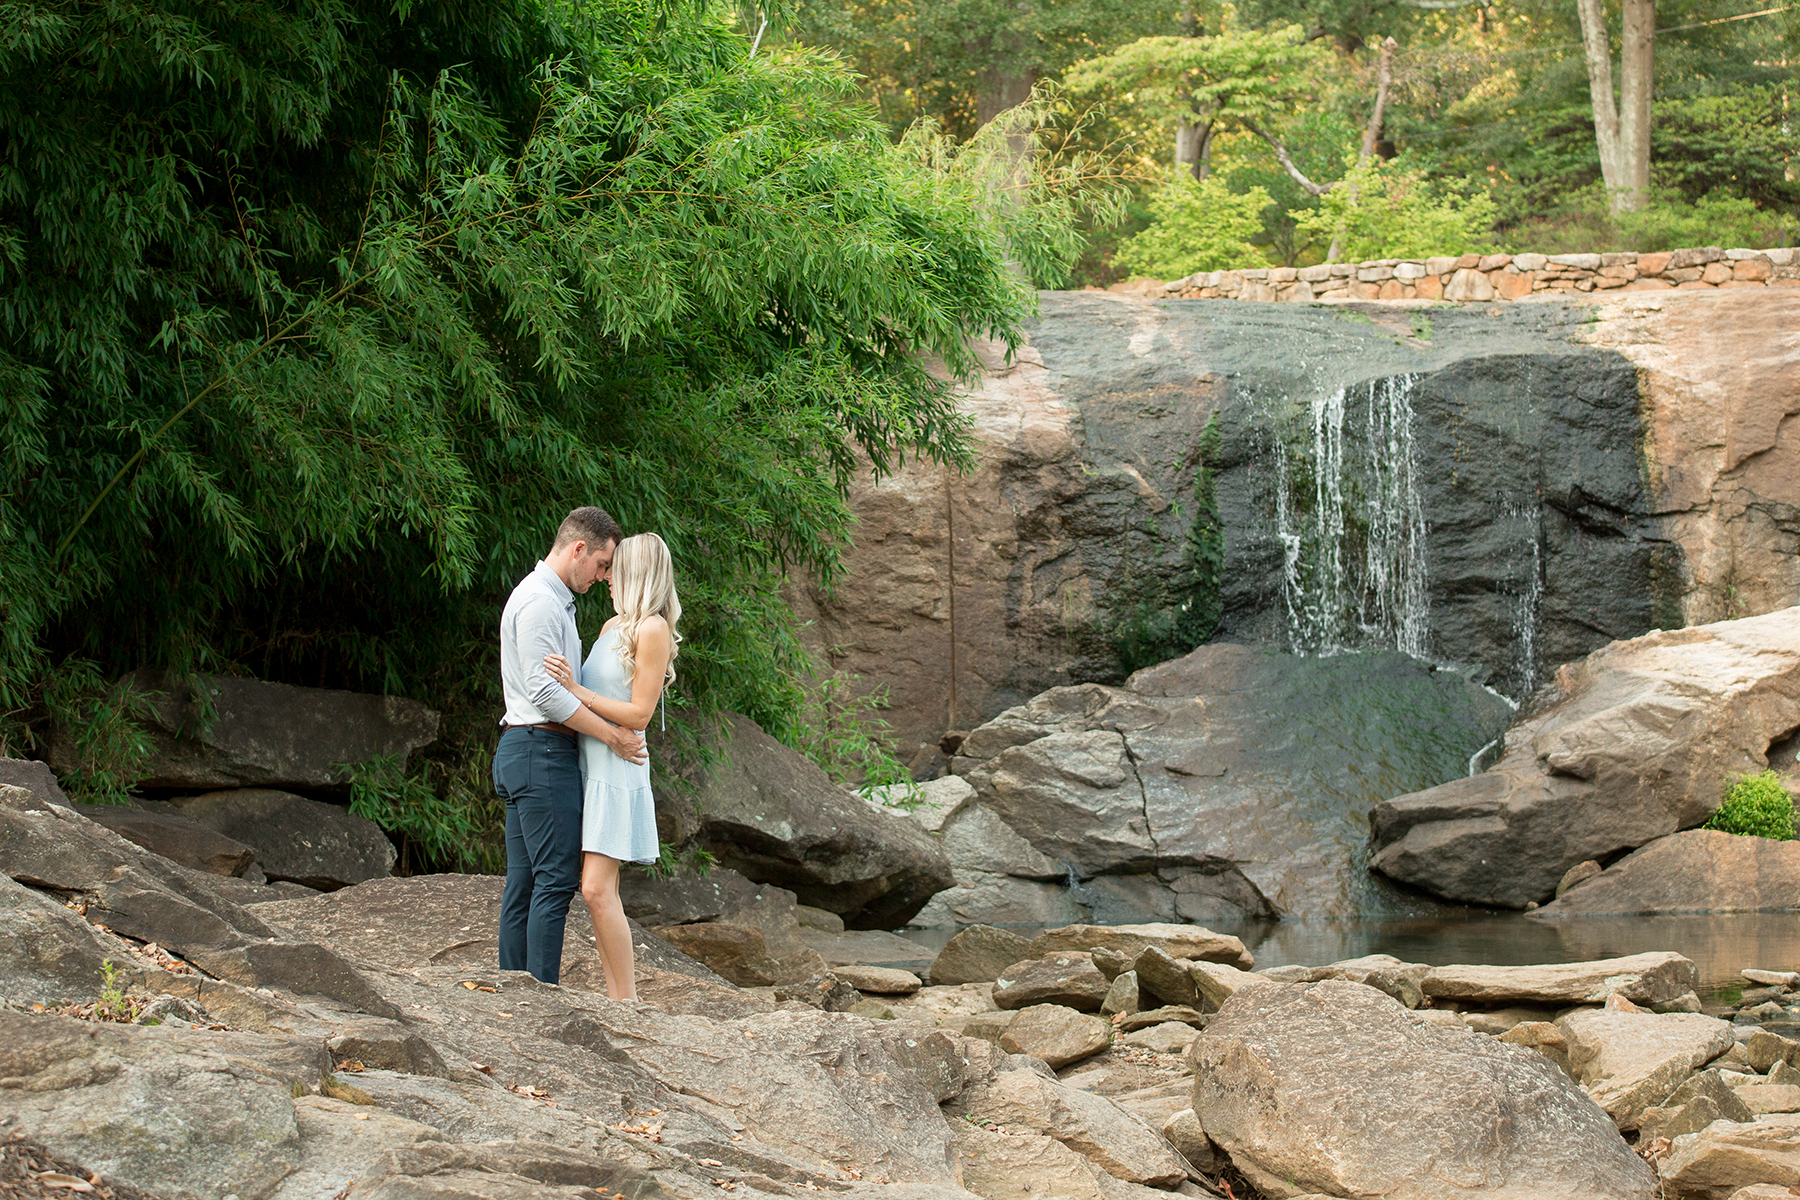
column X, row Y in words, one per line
column 1622, row 128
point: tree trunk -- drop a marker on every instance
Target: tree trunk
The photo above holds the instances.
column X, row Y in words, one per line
column 1637, row 78
column 1188, row 138
column 1000, row 90
column 1622, row 137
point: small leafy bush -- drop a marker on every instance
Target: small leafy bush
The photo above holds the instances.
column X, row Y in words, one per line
column 1756, row 806
column 1196, row 225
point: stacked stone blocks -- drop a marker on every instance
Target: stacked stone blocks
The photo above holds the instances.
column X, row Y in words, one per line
column 1491, row 277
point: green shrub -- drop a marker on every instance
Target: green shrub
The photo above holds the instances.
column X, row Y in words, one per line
column 1756, row 806
column 1195, row 225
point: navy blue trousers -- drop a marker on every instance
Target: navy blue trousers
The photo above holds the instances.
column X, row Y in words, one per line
column 538, row 773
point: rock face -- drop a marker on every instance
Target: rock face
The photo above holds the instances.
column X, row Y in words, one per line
column 774, row 817
column 1227, row 785
column 1331, row 1087
column 978, row 954
column 309, row 842
column 1698, row 871
column 270, row 735
column 1631, row 744
column 1076, row 513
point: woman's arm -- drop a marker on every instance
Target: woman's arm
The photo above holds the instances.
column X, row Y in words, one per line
column 649, row 668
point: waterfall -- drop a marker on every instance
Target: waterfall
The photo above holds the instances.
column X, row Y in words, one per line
column 1351, row 525
column 1525, row 618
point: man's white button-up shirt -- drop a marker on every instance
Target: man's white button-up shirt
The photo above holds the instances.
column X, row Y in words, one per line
column 539, row 619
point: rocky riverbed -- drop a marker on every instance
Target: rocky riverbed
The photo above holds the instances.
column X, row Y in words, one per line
column 175, row 1034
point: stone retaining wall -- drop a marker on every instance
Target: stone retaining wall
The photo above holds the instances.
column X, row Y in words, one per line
column 1484, row 277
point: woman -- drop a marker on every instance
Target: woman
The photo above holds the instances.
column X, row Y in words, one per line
column 622, row 680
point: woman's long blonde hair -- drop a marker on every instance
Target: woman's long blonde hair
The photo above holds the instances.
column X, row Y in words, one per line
column 643, row 579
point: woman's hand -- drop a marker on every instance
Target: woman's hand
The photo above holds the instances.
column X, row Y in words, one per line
column 560, row 670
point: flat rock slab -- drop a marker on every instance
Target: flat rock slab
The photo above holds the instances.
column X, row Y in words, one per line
column 1170, row 1037
column 1728, row 1155
column 1652, row 978
column 1069, row 979
column 1177, row 941
column 1333, row 1087
column 978, row 954
column 1107, row 1135
column 1633, row 1061
column 317, row 845
column 1695, row 871
column 164, row 830
column 861, row 946
column 1057, row 1035
column 879, row 981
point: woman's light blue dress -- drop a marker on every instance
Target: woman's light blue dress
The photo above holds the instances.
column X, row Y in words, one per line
column 618, row 813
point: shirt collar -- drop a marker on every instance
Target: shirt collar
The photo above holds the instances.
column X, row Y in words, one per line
column 554, row 582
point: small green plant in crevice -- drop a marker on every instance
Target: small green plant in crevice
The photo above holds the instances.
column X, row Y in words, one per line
column 112, row 1004
column 1756, row 806
column 840, row 728
column 1167, row 621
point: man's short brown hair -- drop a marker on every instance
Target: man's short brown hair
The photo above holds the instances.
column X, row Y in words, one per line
column 594, row 526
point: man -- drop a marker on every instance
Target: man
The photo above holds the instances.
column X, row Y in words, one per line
column 537, row 768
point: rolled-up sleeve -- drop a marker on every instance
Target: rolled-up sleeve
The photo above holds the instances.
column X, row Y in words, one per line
column 540, row 633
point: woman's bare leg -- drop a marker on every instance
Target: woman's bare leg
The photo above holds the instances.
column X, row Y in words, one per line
column 612, row 934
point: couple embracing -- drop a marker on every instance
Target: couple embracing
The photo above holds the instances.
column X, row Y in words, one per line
column 571, row 764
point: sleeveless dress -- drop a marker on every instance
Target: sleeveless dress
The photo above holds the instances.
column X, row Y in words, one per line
column 618, row 813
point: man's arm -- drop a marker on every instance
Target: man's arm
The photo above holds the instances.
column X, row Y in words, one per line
column 540, row 634
column 627, row 744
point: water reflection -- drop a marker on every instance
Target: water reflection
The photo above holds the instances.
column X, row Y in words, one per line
column 1720, row 945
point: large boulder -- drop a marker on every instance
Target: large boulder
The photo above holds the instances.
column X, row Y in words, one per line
column 161, row 829
column 978, row 954
column 35, row 777
column 1177, row 941
column 768, row 813
column 247, row 733
column 318, row 845
column 1001, row 879
column 1696, row 871
column 1067, row 979
column 1334, row 1088
column 1175, row 794
column 1631, row 744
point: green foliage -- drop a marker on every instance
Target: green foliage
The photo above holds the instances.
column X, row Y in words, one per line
column 451, row 824
column 314, row 322
column 1168, row 622
column 1756, row 806
column 1196, row 225
column 1386, row 210
column 1585, row 223
column 672, row 860
column 104, row 744
column 1229, row 75
column 840, row 728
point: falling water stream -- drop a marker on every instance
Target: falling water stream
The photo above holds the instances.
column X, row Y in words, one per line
column 1353, row 541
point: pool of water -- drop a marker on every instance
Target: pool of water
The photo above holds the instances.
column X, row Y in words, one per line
column 1720, row 945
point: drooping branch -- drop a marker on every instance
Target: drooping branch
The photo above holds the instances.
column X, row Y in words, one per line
column 1287, row 162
